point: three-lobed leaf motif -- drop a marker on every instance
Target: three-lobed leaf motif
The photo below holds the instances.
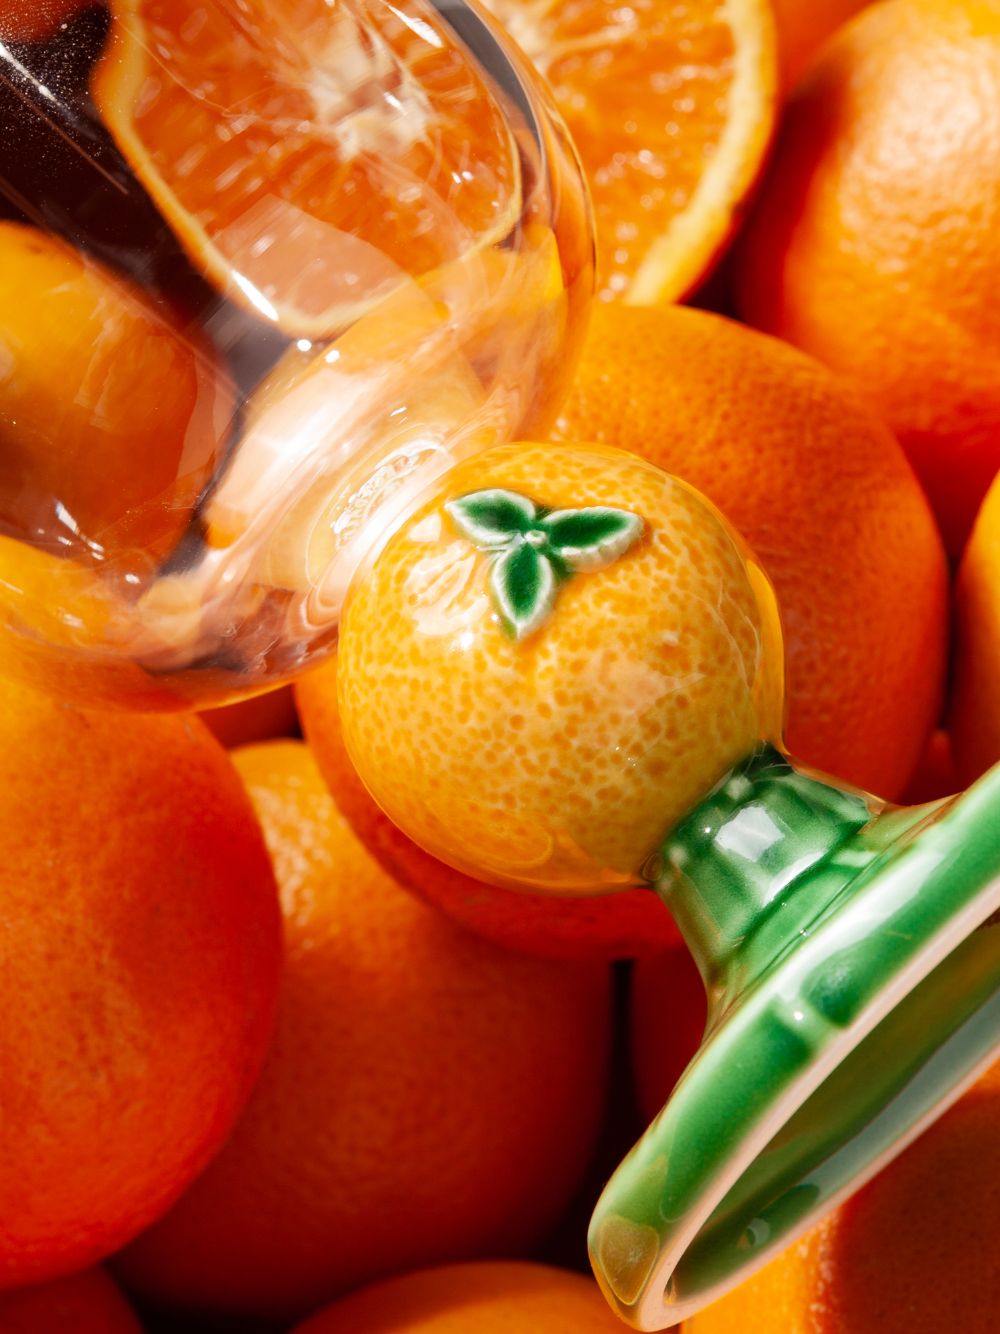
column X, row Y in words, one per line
column 534, row 549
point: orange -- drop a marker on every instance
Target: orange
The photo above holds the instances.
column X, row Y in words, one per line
column 75, row 632
column 975, row 699
column 914, row 1252
column 671, row 109
column 667, row 1014
column 141, row 955
column 803, row 28
column 874, row 244
column 558, row 760
column 295, row 188
column 428, row 1097
column 823, row 495
column 112, row 419
column 936, row 775
column 36, row 20
column 608, row 926
column 498, row 1297
column 87, row 1303
column 256, row 719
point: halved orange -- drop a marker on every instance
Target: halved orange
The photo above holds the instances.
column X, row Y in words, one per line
column 308, row 154
column 671, row 107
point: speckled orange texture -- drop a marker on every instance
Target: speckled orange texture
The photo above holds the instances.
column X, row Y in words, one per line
column 558, row 762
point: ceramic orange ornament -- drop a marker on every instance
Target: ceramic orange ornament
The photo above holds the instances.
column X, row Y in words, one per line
column 563, row 673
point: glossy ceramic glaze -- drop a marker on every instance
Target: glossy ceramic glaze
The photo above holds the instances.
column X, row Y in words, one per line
column 563, row 672
column 852, row 958
column 551, row 660
column 258, row 293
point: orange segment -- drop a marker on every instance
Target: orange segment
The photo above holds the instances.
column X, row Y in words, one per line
column 275, row 136
column 671, row 108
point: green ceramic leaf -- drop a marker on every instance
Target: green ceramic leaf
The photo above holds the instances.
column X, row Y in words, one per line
column 590, row 539
column 523, row 584
column 492, row 518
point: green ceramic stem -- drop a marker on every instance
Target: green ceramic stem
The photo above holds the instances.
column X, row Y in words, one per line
column 760, row 858
column 852, row 958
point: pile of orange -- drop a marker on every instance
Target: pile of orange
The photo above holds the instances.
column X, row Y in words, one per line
column 321, row 1031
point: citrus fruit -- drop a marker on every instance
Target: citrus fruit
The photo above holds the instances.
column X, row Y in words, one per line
column 541, row 727
column 428, row 1097
column 975, row 697
column 112, row 419
column 495, row 1297
column 912, row 1253
column 296, row 187
column 873, row 246
column 257, row 719
column 671, row 110
column 804, row 28
column 823, row 495
column 74, row 631
column 141, row 935
column 667, row 1013
column 87, row 1303
column 35, row 20
column 935, row 776
column 607, row 926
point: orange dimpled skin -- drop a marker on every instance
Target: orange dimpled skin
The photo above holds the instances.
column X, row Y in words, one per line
column 427, row 1096
column 87, row 1303
column 497, row 1297
column 111, row 421
column 874, row 242
column 141, row 944
column 593, row 926
column 558, row 761
column 816, row 484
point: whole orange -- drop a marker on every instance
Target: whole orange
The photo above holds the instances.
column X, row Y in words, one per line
column 936, row 775
column 803, row 28
column 874, row 243
column 667, row 1013
column 428, row 1097
column 914, row 1252
column 87, row 1303
column 607, row 926
column 256, row 719
column 112, row 417
column 975, row 698
column 823, row 495
column 495, row 1297
column 141, row 955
